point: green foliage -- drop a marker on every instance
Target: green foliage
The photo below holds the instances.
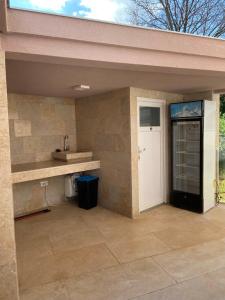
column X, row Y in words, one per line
column 222, row 124
column 222, row 138
column 222, row 105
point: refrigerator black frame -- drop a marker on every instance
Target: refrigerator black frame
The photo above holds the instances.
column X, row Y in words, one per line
column 192, row 117
column 181, row 199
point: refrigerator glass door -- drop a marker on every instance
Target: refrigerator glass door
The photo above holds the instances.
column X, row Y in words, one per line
column 186, row 156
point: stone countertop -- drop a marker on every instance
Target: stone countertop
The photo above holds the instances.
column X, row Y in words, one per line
column 53, row 168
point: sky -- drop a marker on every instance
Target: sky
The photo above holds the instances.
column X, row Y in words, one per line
column 106, row 10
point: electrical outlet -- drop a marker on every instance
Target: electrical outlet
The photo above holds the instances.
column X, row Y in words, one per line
column 44, row 183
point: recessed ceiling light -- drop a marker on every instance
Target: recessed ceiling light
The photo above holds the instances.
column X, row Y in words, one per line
column 81, row 87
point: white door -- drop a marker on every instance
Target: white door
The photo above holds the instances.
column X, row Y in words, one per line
column 151, row 153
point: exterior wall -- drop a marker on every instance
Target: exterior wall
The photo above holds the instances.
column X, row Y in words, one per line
column 103, row 126
column 134, row 94
column 37, row 128
column 8, row 269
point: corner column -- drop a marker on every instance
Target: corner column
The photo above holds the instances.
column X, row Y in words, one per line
column 8, row 268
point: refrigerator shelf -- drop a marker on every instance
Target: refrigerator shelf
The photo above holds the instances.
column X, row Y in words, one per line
column 186, row 166
column 186, row 178
column 187, row 152
column 187, row 141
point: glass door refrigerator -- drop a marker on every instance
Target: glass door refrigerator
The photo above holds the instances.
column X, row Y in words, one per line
column 193, row 155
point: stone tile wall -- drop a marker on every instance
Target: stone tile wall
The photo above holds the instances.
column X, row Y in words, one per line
column 30, row 196
column 103, row 125
column 8, row 269
column 37, row 128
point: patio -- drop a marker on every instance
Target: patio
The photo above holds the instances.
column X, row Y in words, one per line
column 166, row 253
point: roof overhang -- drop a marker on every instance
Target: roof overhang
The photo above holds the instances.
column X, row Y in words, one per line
column 51, row 39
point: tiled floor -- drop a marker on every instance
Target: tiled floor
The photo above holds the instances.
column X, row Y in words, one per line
column 165, row 254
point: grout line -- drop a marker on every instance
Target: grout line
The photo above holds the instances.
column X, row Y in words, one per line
column 178, row 283
column 119, row 263
column 164, row 270
column 152, row 292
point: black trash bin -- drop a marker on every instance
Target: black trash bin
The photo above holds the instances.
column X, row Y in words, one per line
column 87, row 187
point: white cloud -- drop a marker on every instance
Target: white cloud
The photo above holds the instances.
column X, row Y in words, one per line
column 54, row 5
column 101, row 9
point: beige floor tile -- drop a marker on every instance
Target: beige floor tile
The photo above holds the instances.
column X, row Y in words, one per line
column 38, row 272
column 179, row 238
column 55, row 228
column 191, row 222
column 217, row 277
column 100, row 218
column 201, row 288
column 146, row 246
column 145, row 276
column 190, row 262
column 122, row 232
column 75, row 240
column 120, row 229
column 216, row 216
column 82, row 248
column 164, row 211
column 120, row 282
column 88, row 259
column 110, row 284
column 51, row 291
column 132, row 229
column 32, row 248
column 51, row 268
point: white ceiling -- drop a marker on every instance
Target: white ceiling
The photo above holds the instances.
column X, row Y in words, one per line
column 57, row 80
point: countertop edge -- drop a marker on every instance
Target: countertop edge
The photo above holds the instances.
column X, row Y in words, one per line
column 53, row 171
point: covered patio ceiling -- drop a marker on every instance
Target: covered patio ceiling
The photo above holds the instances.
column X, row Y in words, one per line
column 50, row 79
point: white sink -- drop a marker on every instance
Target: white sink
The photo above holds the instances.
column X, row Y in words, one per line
column 70, row 155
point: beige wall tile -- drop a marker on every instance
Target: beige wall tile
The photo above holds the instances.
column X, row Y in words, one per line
column 37, row 128
column 22, row 128
column 47, row 110
column 42, row 124
column 103, row 127
column 30, row 196
column 4, row 128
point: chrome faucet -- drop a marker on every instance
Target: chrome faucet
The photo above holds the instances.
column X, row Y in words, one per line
column 66, row 143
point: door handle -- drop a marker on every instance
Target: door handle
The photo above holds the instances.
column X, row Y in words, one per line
column 140, row 151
